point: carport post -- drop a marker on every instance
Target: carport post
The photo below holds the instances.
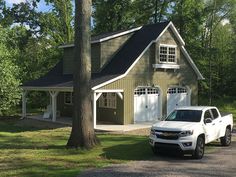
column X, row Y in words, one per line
column 24, row 94
column 54, row 104
column 94, row 110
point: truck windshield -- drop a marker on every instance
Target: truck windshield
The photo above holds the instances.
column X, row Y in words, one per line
column 185, row 116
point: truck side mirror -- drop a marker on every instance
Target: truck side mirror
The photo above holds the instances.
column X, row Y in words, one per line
column 208, row 120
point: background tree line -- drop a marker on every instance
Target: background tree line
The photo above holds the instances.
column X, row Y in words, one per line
column 29, row 38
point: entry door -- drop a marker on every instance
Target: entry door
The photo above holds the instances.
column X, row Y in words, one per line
column 145, row 104
column 176, row 97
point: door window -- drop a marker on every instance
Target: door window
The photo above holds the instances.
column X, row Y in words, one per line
column 207, row 115
column 214, row 113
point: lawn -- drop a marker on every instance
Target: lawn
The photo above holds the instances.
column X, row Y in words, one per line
column 34, row 148
column 27, row 150
column 227, row 105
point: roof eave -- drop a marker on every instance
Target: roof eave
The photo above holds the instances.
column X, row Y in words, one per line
column 46, row 88
column 189, row 59
column 175, row 31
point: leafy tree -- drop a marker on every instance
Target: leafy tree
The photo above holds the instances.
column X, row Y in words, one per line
column 9, row 84
column 82, row 134
column 58, row 22
column 111, row 15
column 187, row 15
column 150, row 11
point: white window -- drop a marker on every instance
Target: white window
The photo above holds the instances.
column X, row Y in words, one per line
column 68, row 98
column 107, row 100
column 167, row 54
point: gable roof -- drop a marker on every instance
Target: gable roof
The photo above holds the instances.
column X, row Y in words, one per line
column 133, row 48
column 121, row 63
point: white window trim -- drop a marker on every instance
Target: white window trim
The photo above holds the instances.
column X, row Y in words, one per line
column 71, row 98
column 166, row 66
column 110, row 100
column 168, row 46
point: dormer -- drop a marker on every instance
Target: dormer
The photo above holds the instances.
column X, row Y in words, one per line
column 103, row 48
column 167, row 49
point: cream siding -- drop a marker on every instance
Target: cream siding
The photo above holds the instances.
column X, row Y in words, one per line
column 143, row 74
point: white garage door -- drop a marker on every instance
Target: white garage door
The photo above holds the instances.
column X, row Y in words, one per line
column 177, row 96
column 146, row 104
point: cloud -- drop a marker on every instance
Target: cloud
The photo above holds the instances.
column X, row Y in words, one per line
column 15, row 1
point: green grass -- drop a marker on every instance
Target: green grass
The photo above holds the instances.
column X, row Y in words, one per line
column 30, row 151
column 34, row 148
column 226, row 104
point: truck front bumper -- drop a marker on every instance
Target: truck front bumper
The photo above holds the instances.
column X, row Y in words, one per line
column 185, row 144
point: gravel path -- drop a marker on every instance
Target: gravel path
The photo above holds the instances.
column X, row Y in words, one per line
column 220, row 163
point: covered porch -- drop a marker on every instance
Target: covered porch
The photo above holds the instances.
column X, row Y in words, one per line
column 52, row 113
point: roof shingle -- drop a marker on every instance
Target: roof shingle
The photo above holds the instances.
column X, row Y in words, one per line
column 118, row 65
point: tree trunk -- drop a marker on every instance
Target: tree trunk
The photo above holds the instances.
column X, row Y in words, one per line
column 82, row 134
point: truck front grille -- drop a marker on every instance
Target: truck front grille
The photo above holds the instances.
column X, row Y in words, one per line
column 169, row 135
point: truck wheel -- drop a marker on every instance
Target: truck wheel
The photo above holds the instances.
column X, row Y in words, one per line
column 226, row 140
column 200, row 147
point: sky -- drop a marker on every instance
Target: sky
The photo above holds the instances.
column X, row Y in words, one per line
column 41, row 7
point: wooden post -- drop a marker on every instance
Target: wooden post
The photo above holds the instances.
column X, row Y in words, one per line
column 24, row 94
column 54, row 104
column 94, row 110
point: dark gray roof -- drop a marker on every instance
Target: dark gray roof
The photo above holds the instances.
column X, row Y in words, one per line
column 118, row 65
column 101, row 36
column 133, row 48
column 55, row 78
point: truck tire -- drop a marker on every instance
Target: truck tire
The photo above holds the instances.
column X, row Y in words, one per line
column 226, row 140
column 200, row 147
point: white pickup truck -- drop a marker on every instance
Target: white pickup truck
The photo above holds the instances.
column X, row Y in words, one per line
column 188, row 129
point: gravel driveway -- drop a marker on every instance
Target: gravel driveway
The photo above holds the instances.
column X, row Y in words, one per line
column 221, row 162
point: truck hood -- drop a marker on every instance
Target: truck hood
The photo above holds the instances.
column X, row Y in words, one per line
column 175, row 125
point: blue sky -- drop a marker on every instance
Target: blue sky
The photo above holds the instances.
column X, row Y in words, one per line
column 41, row 7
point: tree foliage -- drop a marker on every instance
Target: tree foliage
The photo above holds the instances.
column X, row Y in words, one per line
column 9, row 79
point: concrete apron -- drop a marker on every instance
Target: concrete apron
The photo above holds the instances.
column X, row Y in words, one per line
column 99, row 127
column 123, row 128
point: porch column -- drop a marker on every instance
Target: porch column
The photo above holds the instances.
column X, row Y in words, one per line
column 54, row 104
column 94, row 110
column 24, row 94
column 95, row 98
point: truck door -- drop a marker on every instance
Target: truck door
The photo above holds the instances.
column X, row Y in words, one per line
column 218, row 122
column 209, row 127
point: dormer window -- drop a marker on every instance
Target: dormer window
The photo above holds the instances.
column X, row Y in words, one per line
column 167, row 54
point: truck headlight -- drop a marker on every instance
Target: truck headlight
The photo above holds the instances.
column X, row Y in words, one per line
column 186, row 133
column 152, row 132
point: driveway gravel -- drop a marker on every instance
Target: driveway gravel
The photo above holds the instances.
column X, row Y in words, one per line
column 221, row 162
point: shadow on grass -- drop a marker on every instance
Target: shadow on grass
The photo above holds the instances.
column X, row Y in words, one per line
column 17, row 125
column 136, row 148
